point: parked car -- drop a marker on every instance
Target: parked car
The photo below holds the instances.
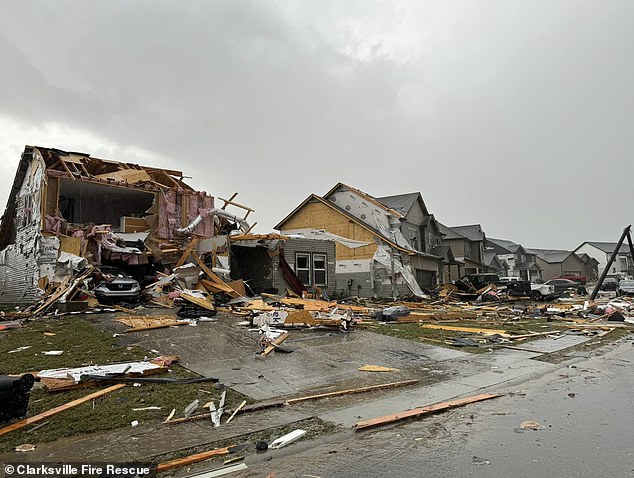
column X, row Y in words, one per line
column 563, row 285
column 115, row 285
column 625, row 287
column 575, row 278
column 610, row 283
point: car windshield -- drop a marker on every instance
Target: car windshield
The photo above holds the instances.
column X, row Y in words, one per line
column 113, row 272
column 626, row 283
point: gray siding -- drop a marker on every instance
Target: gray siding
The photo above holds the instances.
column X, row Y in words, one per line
column 20, row 261
column 307, row 246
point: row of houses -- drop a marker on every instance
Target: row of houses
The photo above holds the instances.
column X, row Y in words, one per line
column 346, row 242
column 409, row 250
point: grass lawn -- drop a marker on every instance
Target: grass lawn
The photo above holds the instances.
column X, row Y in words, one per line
column 85, row 344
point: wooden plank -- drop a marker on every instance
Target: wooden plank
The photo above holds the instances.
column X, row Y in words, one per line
column 229, row 201
column 351, row 391
column 188, row 460
column 418, row 412
column 217, row 281
column 472, row 330
column 238, row 286
column 377, row 368
column 188, row 251
column 271, row 347
column 233, row 196
column 200, row 302
column 61, row 408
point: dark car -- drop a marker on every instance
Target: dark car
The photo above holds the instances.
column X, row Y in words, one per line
column 114, row 285
column 473, row 282
column 563, row 285
column 625, row 287
column 610, row 283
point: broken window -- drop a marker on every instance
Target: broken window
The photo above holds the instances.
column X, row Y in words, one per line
column 302, row 267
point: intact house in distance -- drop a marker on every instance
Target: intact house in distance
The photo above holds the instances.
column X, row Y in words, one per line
column 385, row 246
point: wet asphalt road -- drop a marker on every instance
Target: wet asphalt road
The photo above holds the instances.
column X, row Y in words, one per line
column 585, row 411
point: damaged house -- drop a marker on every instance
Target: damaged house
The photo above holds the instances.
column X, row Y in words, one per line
column 385, row 247
column 66, row 207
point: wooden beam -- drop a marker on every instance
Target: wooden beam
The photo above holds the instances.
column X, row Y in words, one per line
column 233, row 196
column 61, row 408
column 350, row 391
column 276, row 342
column 473, row 330
column 229, row 201
column 188, row 251
column 214, row 278
column 188, row 460
column 200, row 302
column 418, row 412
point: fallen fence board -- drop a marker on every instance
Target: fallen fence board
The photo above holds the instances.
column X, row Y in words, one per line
column 417, row 412
column 61, row 408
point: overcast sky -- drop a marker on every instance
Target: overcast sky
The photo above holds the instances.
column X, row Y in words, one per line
column 517, row 115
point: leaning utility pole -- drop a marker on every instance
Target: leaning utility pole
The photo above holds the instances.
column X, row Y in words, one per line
column 626, row 233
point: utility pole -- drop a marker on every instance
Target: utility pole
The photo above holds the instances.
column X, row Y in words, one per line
column 626, row 233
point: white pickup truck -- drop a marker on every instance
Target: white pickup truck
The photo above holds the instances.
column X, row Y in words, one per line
column 542, row 292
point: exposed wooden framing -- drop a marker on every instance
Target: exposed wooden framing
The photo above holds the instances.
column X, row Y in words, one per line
column 229, row 201
column 61, row 408
column 188, row 460
column 233, row 196
column 418, row 412
column 67, row 170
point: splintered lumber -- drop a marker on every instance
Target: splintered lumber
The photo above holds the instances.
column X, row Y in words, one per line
column 418, row 412
column 214, row 279
column 188, row 460
column 187, row 252
column 351, row 391
column 275, row 343
column 255, row 407
column 472, row 330
column 199, row 301
column 61, row 408
column 148, row 322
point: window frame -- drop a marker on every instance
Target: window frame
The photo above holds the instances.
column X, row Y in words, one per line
column 309, row 268
column 325, row 269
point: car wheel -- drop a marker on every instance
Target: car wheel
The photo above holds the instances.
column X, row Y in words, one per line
column 536, row 295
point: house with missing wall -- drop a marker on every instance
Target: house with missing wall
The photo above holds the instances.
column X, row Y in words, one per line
column 68, row 206
column 387, row 247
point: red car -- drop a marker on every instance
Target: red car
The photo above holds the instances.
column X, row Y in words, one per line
column 579, row 279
